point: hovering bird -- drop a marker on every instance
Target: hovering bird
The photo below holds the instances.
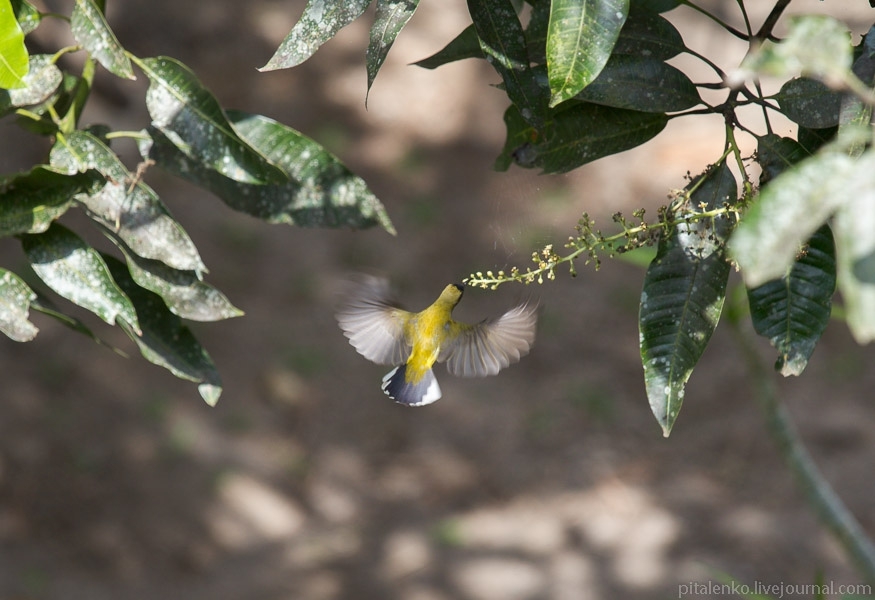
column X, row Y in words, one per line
column 386, row 334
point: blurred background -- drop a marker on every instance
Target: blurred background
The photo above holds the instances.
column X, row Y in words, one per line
column 549, row 481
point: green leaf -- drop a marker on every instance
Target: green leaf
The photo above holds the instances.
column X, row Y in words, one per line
column 320, row 191
column 504, row 44
column 13, row 53
column 41, row 80
column 648, row 34
column 775, row 154
column 643, row 84
column 90, row 29
column 792, row 207
column 45, row 306
column 465, row 45
column 133, row 211
column 321, row 20
column 793, row 312
column 190, row 116
column 813, row 139
column 816, row 46
column 683, row 295
column 183, row 291
column 75, row 271
column 30, row 202
column 26, row 14
column 164, row 340
column 392, row 16
column 15, row 299
column 576, row 135
column 580, row 38
column 659, row 6
column 809, row 103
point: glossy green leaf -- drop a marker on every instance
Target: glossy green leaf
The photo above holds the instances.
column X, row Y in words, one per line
column 26, row 14
column 46, row 307
column 793, row 312
column 576, row 135
column 190, row 116
column 504, row 44
column 642, row 84
column 580, row 38
column 164, row 340
column 15, row 299
column 809, row 103
column 90, row 29
column 648, row 34
column 75, row 271
column 183, row 291
column 392, row 16
column 131, row 210
column 321, row 20
column 816, row 46
column 320, row 191
column 775, row 154
column 792, row 207
column 30, row 202
column 41, row 80
column 684, row 290
column 465, row 45
column 13, row 53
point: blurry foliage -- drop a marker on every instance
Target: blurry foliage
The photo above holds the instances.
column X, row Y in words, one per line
column 155, row 280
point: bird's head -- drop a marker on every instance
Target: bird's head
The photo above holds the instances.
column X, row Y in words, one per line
column 452, row 294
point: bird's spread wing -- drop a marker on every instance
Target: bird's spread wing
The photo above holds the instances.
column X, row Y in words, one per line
column 373, row 322
column 491, row 345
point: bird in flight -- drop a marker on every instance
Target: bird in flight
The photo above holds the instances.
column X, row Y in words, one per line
column 386, row 334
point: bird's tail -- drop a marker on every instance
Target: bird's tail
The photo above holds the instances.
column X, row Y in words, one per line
column 418, row 393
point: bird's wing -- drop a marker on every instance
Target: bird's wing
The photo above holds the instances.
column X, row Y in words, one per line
column 373, row 322
column 491, row 345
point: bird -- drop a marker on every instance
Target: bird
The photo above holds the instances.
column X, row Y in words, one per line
column 384, row 333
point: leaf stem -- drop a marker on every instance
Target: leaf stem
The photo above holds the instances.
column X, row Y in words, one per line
column 729, row 28
column 820, row 494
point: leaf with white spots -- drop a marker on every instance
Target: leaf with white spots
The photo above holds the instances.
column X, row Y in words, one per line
column 392, row 16
column 30, row 202
column 683, row 294
column 26, row 14
column 75, row 271
column 319, row 192
column 321, row 20
column 580, row 38
column 183, row 291
column 15, row 299
column 90, row 29
column 41, row 80
column 165, row 340
column 643, row 84
column 190, row 116
column 135, row 212
column 809, row 103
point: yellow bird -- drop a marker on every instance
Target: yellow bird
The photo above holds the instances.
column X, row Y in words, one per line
column 386, row 334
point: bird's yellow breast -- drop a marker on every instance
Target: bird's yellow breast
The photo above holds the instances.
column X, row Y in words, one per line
column 428, row 331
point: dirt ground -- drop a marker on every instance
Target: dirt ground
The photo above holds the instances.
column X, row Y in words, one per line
column 549, row 481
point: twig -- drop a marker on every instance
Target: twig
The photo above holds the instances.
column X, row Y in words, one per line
column 820, row 494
